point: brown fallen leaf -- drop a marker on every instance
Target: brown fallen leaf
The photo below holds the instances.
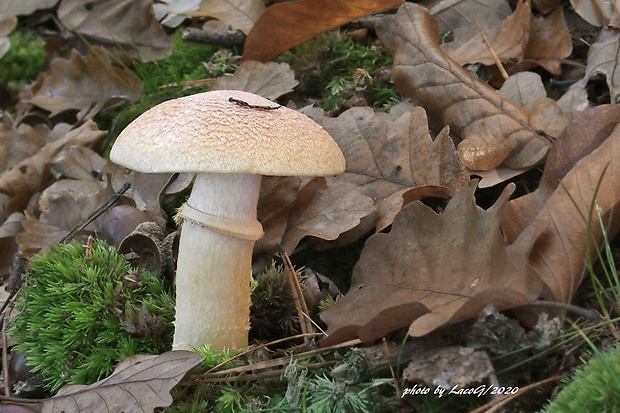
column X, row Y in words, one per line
column 325, row 208
column 558, row 254
column 139, row 384
column 460, row 16
column 285, row 25
column 586, row 132
column 17, row 144
column 126, row 27
column 275, row 202
column 32, row 174
column 507, row 39
column 431, row 270
column 270, row 80
column 390, row 154
column 549, row 43
column 604, row 59
column 8, row 247
column 241, row 15
column 8, row 22
column 25, row 7
column 598, row 12
column 88, row 84
column 493, row 131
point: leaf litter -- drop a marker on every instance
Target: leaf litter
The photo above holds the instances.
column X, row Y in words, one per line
column 421, row 269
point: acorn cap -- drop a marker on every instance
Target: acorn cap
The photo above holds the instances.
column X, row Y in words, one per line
column 227, row 131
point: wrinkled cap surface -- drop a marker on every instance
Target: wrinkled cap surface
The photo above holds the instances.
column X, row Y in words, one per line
column 227, row 131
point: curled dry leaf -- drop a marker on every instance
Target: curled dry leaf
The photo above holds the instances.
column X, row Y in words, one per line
column 139, row 384
column 269, row 80
column 493, row 131
column 460, row 16
column 241, row 15
column 432, row 270
column 586, row 132
column 558, row 254
column 549, row 43
column 8, row 230
column 32, row 174
column 604, row 58
column 17, row 144
column 25, row 7
column 88, row 84
column 125, row 26
column 7, row 24
column 172, row 13
column 325, row 208
column 390, row 154
column 508, row 39
column 598, row 12
column 275, row 202
column 285, row 25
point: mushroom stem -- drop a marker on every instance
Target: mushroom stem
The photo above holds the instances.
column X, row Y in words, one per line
column 215, row 260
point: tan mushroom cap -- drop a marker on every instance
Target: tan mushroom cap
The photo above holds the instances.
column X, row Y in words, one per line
column 208, row 132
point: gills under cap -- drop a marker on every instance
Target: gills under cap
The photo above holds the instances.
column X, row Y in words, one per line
column 227, row 131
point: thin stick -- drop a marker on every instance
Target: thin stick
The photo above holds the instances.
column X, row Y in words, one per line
column 5, row 360
column 250, row 350
column 94, row 215
column 298, row 296
column 494, row 405
column 387, row 353
column 499, row 64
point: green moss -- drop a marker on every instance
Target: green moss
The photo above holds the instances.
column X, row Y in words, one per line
column 592, row 389
column 78, row 317
column 273, row 314
column 328, row 64
column 24, row 60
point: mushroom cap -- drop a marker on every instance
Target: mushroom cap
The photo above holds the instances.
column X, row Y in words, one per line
column 227, row 131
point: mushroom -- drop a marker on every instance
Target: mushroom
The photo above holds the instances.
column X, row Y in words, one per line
column 229, row 138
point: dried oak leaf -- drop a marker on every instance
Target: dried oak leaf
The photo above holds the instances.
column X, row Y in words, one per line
column 17, row 144
column 492, row 131
column 139, row 384
column 88, row 84
column 389, row 155
column 8, row 247
column 285, row 25
column 460, row 16
column 25, row 7
column 275, row 202
column 508, row 39
column 549, row 43
column 325, row 208
column 269, row 80
column 8, row 22
column 604, row 59
column 128, row 27
column 33, row 174
column 433, row 269
column 521, row 38
column 598, row 12
column 239, row 14
column 558, row 254
column 586, row 132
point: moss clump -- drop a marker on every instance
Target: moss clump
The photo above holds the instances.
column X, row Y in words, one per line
column 79, row 316
column 273, row 313
column 592, row 388
column 24, row 60
column 328, row 64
